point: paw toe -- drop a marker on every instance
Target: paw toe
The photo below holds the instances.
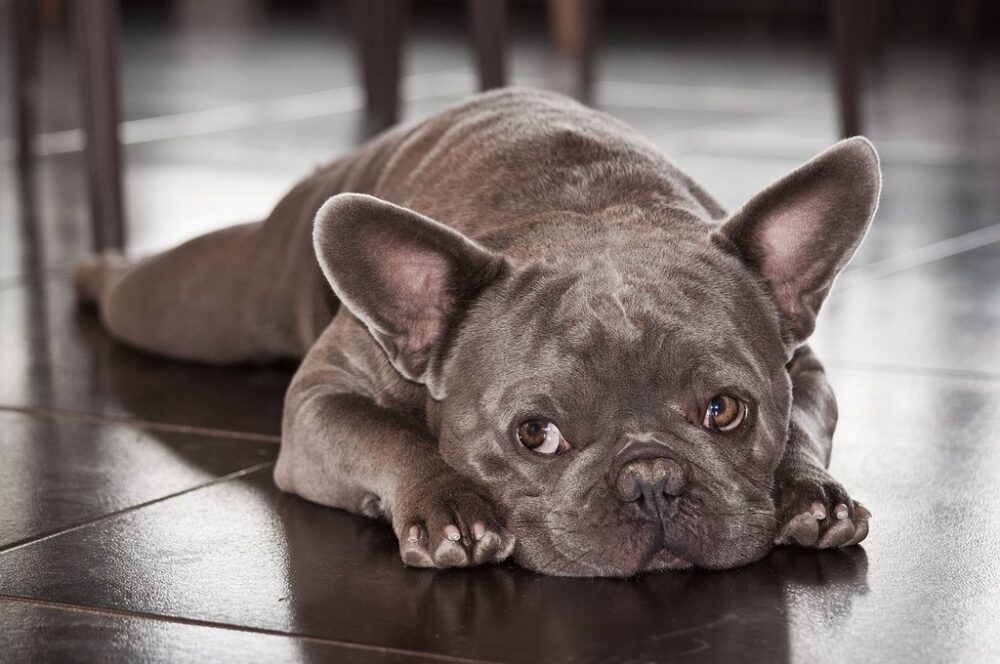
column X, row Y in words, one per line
column 838, row 534
column 494, row 547
column 413, row 548
column 802, row 530
column 860, row 532
column 486, row 548
column 450, row 553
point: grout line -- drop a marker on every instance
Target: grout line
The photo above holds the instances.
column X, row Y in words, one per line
column 34, row 539
column 689, row 136
column 928, row 372
column 344, row 99
column 58, row 413
column 458, row 82
column 704, row 138
column 13, row 281
column 444, row 83
column 737, row 142
column 46, row 274
column 931, row 253
column 743, row 100
column 211, row 624
column 642, row 95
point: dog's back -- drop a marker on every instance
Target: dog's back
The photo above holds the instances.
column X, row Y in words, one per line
column 490, row 167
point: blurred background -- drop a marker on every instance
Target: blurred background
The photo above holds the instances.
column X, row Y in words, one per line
column 223, row 104
column 142, row 486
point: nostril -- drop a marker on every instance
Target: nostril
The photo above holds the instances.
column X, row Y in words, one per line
column 670, row 475
column 628, row 485
column 645, row 477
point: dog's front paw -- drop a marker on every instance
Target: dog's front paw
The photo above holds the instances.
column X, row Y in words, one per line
column 450, row 525
column 814, row 510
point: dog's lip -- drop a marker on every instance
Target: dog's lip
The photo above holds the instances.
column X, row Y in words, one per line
column 664, row 558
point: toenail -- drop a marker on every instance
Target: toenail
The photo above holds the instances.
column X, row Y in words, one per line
column 818, row 511
column 841, row 512
column 478, row 530
column 452, row 533
column 414, row 534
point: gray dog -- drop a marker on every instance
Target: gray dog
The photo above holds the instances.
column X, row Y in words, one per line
column 553, row 345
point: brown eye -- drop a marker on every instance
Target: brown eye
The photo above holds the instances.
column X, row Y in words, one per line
column 724, row 413
column 541, row 436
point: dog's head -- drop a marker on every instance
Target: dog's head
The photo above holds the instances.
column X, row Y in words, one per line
column 616, row 381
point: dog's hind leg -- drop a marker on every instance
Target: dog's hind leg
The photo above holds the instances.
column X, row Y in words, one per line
column 242, row 294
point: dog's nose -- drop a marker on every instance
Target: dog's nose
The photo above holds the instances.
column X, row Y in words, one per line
column 645, row 478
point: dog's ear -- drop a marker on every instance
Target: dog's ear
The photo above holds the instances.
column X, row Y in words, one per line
column 406, row 276
column 799, row 232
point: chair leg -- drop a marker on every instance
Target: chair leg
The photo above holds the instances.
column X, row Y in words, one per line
column 848, row 44
column 969, row 16
column 24, row 25
column 574, row 25
column 489, row 18
column 97, row 55
column 379, row 30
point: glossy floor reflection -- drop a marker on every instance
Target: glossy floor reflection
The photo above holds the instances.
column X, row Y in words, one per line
column 138, row 519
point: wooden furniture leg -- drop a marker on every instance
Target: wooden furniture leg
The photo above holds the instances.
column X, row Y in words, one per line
column 574, row 25
column 24, row 26
column 379, row 28
column 97, row 55
column 848, row 44
column 488, row 19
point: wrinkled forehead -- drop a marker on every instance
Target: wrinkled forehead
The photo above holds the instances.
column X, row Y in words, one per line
column 603, row 327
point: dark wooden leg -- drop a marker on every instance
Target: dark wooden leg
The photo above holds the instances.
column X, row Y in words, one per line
column 848, row 45
column 379, row 29
column 489, row 27
column 575, row 28
column 969, row 16
column 875, row 12
column 97, row 55
column 24, row 26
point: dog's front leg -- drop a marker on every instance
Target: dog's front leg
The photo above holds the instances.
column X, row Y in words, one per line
column 813, row 509
column 342, row 449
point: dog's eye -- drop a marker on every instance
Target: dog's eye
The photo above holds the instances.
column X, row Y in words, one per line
column 541, row 436
column 724, row 413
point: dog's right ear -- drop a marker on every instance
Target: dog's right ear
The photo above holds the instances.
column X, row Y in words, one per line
column 801, row 231
column 404, row 275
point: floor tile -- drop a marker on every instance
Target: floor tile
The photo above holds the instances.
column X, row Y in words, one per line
column 920, row 204
column 56, row 356
column 44, row 633
column 941, row 315
column 58, row 473
column 278, row 563
column 912, row 448
column 922, row 454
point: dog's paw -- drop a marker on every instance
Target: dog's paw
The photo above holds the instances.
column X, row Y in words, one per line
column 451, row 526
column 814, row 510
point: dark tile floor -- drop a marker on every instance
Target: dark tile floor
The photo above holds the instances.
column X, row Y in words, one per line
column 138, row 520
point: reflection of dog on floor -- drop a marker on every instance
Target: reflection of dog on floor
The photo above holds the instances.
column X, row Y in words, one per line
column 552, row 342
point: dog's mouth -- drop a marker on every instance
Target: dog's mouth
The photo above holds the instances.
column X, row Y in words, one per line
column 665, row 559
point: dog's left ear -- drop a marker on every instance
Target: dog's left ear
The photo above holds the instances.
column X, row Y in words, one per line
column 405, row 276
column 802, row 230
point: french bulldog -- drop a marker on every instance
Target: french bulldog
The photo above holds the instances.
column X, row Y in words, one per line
column 525, row 333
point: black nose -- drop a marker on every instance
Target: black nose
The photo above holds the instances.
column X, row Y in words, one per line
column 647, row 478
